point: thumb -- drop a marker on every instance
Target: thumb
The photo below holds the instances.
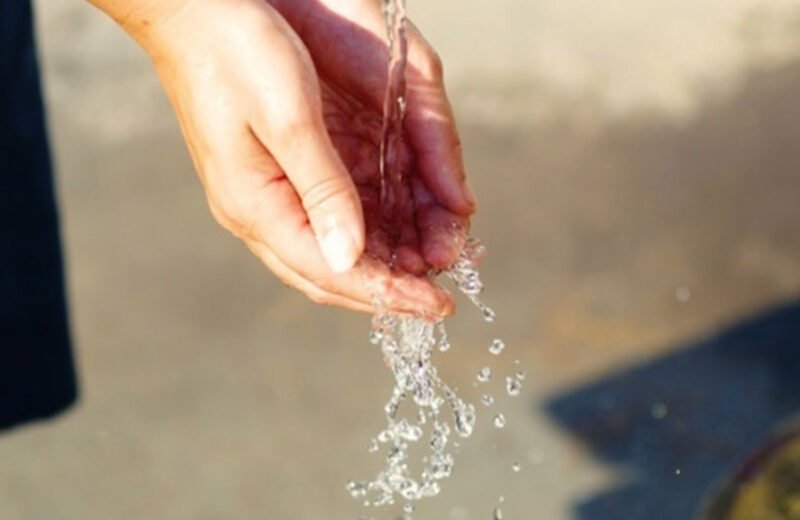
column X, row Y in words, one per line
column 292, row 128
column 333, row 207
column 327, row 193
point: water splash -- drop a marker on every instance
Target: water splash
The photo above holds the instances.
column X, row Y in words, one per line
column 422, row 406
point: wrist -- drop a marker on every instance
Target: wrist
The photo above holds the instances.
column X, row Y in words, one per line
column 143, row 20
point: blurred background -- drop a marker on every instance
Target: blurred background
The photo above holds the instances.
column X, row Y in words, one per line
column 639, row 174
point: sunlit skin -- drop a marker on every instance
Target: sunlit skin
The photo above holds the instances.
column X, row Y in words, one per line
column 280, row 104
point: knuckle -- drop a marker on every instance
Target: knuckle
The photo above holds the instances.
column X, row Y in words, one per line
column 293, row 124
column 294, row 113
column 319, row 193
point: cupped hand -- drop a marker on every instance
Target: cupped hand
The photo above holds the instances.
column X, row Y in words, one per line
column 281, row 108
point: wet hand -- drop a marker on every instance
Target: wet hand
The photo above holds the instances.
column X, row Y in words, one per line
column 288, row 152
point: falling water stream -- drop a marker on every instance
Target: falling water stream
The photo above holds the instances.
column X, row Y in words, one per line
column 422, row 406
column 394, row 107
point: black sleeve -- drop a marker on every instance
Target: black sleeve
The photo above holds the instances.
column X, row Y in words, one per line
column 37, row 376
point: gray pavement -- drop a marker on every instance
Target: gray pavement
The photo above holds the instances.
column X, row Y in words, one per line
column 639, row 182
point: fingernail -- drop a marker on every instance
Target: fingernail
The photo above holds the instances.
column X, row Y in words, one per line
column 469, row 194
column 339, row 249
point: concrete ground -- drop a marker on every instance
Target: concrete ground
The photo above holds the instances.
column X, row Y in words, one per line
column 639, row 180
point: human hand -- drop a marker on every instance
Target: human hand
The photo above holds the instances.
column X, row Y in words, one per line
column 279, row 145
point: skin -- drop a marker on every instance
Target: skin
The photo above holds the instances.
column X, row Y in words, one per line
column 280, row 104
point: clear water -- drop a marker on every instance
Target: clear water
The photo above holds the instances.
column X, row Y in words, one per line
column 394, row 105
column 423, row 411
column 422, row 407
column 497, row 346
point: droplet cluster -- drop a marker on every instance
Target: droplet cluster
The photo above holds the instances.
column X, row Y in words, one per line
column 422, row 406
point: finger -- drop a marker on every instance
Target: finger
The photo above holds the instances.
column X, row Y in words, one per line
column 295, row 281
column 442, row 232
column 293, row 242
column 360, row 67
column 291, row 122
column 431, row 129
column 443, row 235
column 314, row 293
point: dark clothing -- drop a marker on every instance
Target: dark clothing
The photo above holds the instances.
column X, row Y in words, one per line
column 37, row 376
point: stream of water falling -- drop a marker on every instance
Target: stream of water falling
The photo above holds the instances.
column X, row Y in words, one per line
column 394, row 107
column 432, row 409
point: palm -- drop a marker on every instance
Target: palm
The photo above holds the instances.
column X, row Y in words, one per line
column 427, row 228
column 414, row 236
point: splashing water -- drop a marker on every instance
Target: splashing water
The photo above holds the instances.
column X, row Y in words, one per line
column 438, row 413
column 433, row 411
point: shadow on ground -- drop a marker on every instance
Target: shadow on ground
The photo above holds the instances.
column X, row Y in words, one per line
column 675, row 425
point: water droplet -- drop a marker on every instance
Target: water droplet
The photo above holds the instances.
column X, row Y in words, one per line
column 487, row 400
column 358, row 489
column 485, row 374
column 465, row 420
column 373, row 446
column 488, row 314
column 444, row 342
column 520, row 375
column 497, row 347
column 375, row 337
column 498, row 514
column 429, row 489
column 396, row 456
column 501, row 499
column 513, row 386
column 516, row 467
column 408, row 508
column 441, row 466
column 499, row 421
column 408, row 431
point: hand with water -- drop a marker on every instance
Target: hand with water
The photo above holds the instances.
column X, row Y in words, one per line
column 280, row 105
